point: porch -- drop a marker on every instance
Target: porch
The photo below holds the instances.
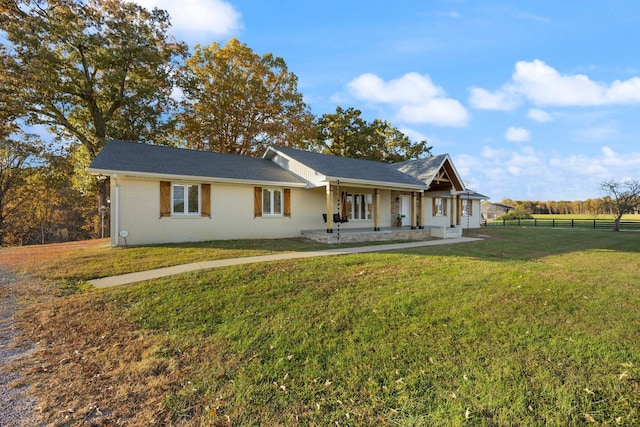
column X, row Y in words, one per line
column 385, row 234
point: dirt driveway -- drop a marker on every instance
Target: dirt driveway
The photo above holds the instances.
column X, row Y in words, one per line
column 17, row 407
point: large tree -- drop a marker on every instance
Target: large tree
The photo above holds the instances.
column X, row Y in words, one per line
column 236, row 101
column 18, row 154
column 624, row 198
column 90, row 70
column 346, row 133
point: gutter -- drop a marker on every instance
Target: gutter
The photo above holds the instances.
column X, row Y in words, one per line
column 166, row 177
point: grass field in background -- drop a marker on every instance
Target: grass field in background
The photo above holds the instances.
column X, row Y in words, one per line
column 528, row 327
column 585, row 216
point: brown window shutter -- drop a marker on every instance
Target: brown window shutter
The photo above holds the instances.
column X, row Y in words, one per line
column 444, row 207
column 205, row 190
column 343, row 205
column 257, row 201
column 470, row 206
column 165, row 198
column 433, row 207
column 287, row 202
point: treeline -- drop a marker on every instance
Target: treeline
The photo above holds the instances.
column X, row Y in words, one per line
column 591, row 207
column 87, row 72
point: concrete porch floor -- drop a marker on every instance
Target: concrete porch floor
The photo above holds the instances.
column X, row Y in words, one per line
column 350, row 235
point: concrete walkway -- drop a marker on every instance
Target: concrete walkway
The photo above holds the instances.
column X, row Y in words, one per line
column 140, row 276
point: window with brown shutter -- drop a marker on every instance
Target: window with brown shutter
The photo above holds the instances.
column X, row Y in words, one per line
column 257, row 202
column 287, row 202
column 165, row 198
column 206, row 200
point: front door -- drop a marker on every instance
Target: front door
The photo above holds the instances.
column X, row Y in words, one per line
column 405, row 210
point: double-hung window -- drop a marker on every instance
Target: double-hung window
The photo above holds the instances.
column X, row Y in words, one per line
column 438, row 206
column 185, row 199
column 359, row 206
column 271, row 201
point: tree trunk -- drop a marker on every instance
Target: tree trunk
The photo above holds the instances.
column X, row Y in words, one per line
column 616, row 223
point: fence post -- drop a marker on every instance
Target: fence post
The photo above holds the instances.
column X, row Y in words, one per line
column 535, row 222
column 594, row 223
column 553, row 222
column 571, row 223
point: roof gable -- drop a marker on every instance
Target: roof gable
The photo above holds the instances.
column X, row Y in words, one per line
column 346, row 169
column 155, row 160
column 437, row 172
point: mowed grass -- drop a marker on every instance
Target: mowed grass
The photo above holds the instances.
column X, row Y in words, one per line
column 75, row 261
column 528, row 327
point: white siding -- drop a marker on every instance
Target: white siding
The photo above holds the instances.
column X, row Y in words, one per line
column 302, row 171
column 437, row 220
column 231, row 215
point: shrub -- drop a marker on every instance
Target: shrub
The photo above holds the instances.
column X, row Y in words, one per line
column 517, row 214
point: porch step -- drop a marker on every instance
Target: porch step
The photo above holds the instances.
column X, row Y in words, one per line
column 447, row 232
column 383, row 235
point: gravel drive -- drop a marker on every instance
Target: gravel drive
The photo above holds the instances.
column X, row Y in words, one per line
column 16, row 406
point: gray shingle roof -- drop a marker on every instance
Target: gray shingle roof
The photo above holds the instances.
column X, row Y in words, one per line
column 123, row 156
column 347, row 168
column 424, row 169
column 476, row 195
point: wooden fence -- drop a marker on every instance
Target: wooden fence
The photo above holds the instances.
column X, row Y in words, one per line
column 564, row 223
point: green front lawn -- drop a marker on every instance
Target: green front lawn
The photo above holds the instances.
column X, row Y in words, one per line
column 528, row 327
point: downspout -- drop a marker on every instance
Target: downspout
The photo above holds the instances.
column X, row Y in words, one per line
column 116, row 209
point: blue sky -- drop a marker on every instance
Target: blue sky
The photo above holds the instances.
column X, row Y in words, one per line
column 536, row 100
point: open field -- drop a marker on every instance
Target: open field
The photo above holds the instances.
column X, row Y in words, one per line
column 602, row 222
column 528, row 327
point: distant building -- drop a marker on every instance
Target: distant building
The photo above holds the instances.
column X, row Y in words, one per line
column 492, row 211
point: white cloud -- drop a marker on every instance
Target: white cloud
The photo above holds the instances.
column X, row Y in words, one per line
column 525, row 173
column 579, row 164
column 215, row 17
column 543, row 85
column 539, row 115
column 483, row 99
column 414, row 97
column 437, row 111
column 415, row 135
column 410, row 88
column 515, row 134
column 628, row 163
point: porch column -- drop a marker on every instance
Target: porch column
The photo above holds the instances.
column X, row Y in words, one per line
column 452, row 221
column 421, row 211
column 459, row 209
column 329, row 208
column 376, row 209
column 413, row 210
